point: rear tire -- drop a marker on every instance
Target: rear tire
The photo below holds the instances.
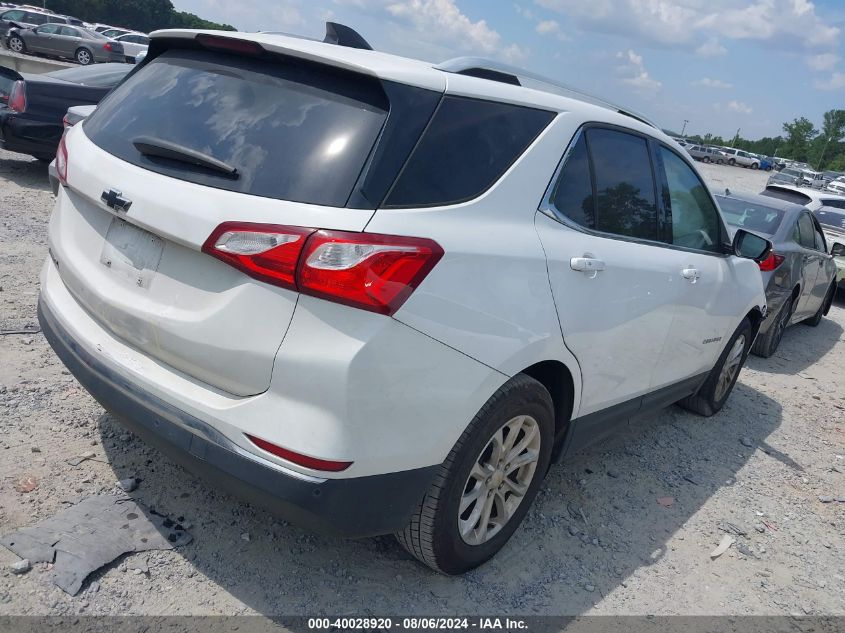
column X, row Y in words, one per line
column 83, row 57
column 755, row 166
column 448, row 531
column 16, row 44
column 824, row 308
column 767, row 344
column 706, row 159
column 732, row 162
column 713, row 394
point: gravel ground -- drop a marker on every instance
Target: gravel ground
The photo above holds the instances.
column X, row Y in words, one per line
column 597, row 541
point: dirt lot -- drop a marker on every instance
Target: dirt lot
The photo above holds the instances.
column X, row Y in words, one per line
column 596, row 541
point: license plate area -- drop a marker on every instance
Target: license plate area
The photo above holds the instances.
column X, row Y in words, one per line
column 131, row 253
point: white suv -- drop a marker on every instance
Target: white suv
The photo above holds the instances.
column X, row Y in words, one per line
column 739, row 157
column 380, row 296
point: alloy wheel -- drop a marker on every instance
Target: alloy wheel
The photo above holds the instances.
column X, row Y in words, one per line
column 16, row 44
column 83, row 57
column 730, row 368
column 499, row 480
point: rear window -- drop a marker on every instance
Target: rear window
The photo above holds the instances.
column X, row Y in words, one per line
column 832, row 218
column 751, row 216
column 467, row 147
column 787, row 194
column 294, row 131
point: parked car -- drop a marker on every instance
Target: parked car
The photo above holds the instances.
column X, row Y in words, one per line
column 392, row 373
column 22, row 18
column 740, row 157
column 69, row 42
column 836, row 186
column 799, row 274
column 765, row 163
column 786, row 176
column 838, row 252
column 809, row 198
column 133, row 45
column 830, row 176
column 705, row 154
column 32, row 105
column 812, row 179
column 832, row 220
column 115, row 33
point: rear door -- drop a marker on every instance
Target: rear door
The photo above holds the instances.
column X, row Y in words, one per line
column 67, row 41
column 811, row 261
column 614, row 287
column 128, row 230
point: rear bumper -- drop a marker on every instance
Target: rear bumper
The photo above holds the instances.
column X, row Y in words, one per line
column 355, row 507
column 28, row 136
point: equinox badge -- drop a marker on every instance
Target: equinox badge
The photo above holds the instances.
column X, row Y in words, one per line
column 114, row 200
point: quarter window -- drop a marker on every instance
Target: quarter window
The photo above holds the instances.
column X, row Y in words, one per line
column 467, row 147
column 695, row 219
column 573, row 193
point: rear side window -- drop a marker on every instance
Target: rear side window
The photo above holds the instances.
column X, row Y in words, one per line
column 13, row 16
column 625, row 193
column 467, row 147
column 293, row 131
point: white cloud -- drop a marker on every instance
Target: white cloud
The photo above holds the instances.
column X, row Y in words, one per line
column 637, row 76
column 528, row 14
column 677, row 22
column 547, row 27
column 711, row 48
column 835, row 82
column 825, row 61
column 739, row 106
column 443, row 21
column 706, row 82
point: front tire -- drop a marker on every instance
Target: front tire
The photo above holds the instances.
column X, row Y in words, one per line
column 755, row 166
column 83, row 57
column 16, row 44
column 767, row 344
column 713, row 394
column 732, row 162
column 486, row 485
column 706, row 159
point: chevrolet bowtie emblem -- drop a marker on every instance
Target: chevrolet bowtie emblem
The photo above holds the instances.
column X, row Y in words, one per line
column 114, row 200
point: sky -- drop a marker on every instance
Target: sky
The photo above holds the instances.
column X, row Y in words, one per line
column 722, row 65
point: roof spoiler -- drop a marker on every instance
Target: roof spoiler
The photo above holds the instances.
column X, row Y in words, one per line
column 343, row 35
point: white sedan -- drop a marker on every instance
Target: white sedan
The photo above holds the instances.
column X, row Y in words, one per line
column 133, row 44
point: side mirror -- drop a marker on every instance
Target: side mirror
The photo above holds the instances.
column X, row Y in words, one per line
column 751, row 246
column 838, row 250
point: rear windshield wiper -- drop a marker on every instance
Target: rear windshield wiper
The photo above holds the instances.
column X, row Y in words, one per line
column 152, row 146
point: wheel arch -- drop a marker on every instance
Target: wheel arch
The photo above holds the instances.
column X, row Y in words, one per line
column 557, row 378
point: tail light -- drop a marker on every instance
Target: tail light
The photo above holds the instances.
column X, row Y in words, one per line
column 107, row 46
column 61, row 160
column 17, row 97
column 771, row 262
column 364, row 270
column 314, row 463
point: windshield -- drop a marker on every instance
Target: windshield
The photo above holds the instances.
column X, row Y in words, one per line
column 750, row 216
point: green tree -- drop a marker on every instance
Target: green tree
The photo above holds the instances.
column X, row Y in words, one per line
column 798, row 136
column 142, row 15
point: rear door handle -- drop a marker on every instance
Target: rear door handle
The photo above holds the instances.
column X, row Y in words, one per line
column 587, row 264
column 691, row 274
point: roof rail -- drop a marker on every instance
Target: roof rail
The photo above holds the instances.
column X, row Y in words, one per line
column 343, row 35
column 497, row 71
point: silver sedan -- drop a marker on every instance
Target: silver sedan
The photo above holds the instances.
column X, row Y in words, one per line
column 70, row 42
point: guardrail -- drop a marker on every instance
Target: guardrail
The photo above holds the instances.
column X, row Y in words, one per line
column 29, row 64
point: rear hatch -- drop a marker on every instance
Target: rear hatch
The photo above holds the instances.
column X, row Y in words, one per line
column 128, row 229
